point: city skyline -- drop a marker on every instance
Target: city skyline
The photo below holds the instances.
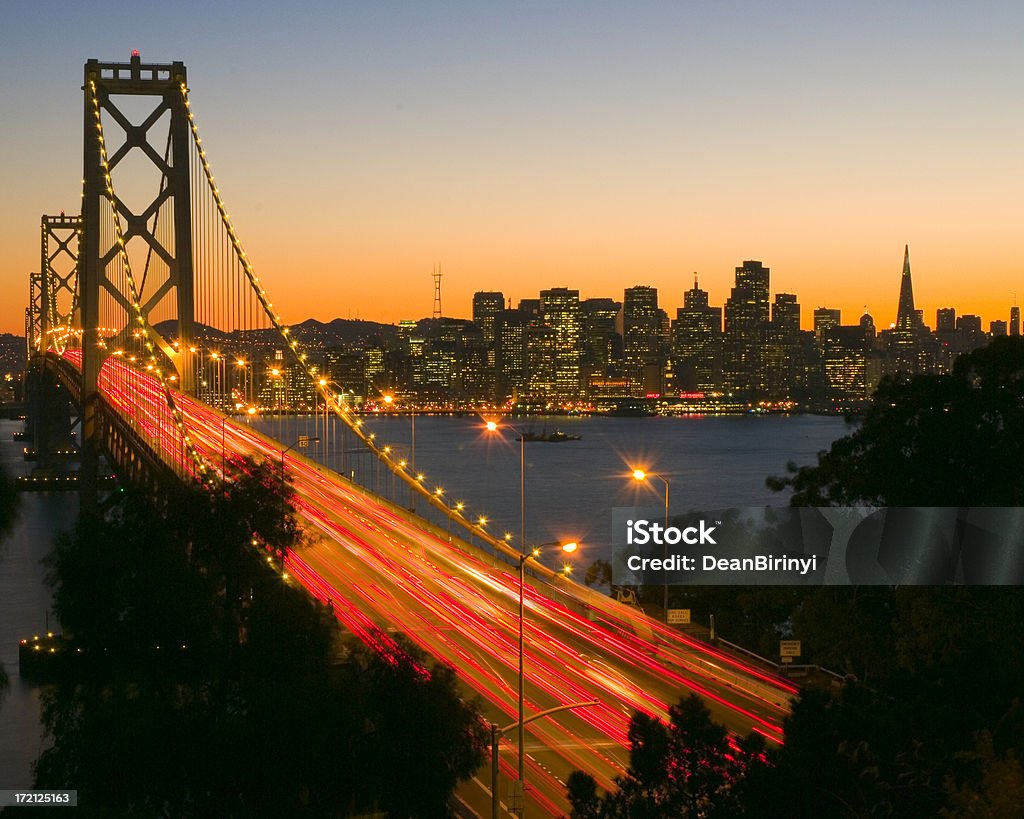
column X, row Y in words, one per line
column 670, row 300
column 549, row 147
column 561, row 352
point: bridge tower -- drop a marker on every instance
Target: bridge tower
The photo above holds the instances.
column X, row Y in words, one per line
column 53, row 299
column 34, row 317
column 163, row 226
column 58, row 246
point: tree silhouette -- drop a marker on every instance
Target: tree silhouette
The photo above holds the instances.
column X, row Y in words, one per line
column 209, row 686
column 931, row 440
column 685, row 768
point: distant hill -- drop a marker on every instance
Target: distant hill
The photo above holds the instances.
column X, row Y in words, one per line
column 336, row 333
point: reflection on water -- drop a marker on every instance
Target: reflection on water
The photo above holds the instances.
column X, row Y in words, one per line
column 24, row 610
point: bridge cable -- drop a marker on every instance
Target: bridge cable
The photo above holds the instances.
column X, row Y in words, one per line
column 321, row 384
column 152, row 339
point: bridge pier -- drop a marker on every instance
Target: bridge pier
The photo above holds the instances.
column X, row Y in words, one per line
column 48, row 420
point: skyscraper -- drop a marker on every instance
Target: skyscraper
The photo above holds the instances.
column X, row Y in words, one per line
column 510, row 345
column 641, row 334
column 906, row 315
column 746, row 328
column 1015, row 320
column 696, row 342
column 782, row 347
column 560, row 310
column 602, row 344
column 905, row 344
column 541, row 354
column 825, row 318
column 487, row 306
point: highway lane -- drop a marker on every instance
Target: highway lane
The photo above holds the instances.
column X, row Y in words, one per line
column 459, row 604
column 388, row 571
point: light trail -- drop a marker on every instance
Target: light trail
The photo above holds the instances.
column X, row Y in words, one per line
column 384, row 569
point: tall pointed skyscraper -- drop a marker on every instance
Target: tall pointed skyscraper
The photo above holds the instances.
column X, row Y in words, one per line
column 906, row 315
column 906, row 341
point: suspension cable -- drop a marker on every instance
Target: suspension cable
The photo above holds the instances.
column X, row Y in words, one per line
column 321, row 386
column 205, row 474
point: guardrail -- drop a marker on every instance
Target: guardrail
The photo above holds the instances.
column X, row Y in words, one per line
column 783, row 668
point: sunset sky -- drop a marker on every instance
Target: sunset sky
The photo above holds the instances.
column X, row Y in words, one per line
column 590, row 145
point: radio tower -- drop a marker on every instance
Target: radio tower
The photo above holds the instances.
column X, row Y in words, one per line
column 437, row 291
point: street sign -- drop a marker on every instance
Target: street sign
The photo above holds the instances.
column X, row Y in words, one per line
column 789, row 648
column 787, row 659
column 303, row 442
column 678, row 617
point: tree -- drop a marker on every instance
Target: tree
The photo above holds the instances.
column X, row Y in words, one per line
column 931, row 440
column 994, row 786
column 211, row 687
column 687, row 767
column 944, row 663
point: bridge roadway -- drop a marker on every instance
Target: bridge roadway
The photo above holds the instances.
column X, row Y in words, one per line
column 388, row 571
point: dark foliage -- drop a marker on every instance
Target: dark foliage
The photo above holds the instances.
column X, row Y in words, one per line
column 930, row 721
column 932, row 440
column 212, row 687
column 686, row 768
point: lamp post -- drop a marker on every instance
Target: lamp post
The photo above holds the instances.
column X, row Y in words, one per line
column 242, row 364
column 390, row 400
column 216, row 380
column 497, row 732
column 322, row 383
column 524, row 555
column 568, row 548
column 641, row 475
column 301, row 442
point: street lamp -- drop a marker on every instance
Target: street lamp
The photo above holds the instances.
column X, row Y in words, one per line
column 492, row 426
column 641, row 475
column 217, row 379
column 497, row 732
column 524, row 555
column 241, row 362
column 568, row 548
column 390, row 400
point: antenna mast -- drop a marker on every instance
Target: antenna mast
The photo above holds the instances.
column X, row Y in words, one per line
column 437, row 291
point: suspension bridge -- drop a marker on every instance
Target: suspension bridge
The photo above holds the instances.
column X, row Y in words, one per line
column 140, row 328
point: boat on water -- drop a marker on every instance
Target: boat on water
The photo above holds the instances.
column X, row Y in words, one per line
column 550, row 437
column 633, row 408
